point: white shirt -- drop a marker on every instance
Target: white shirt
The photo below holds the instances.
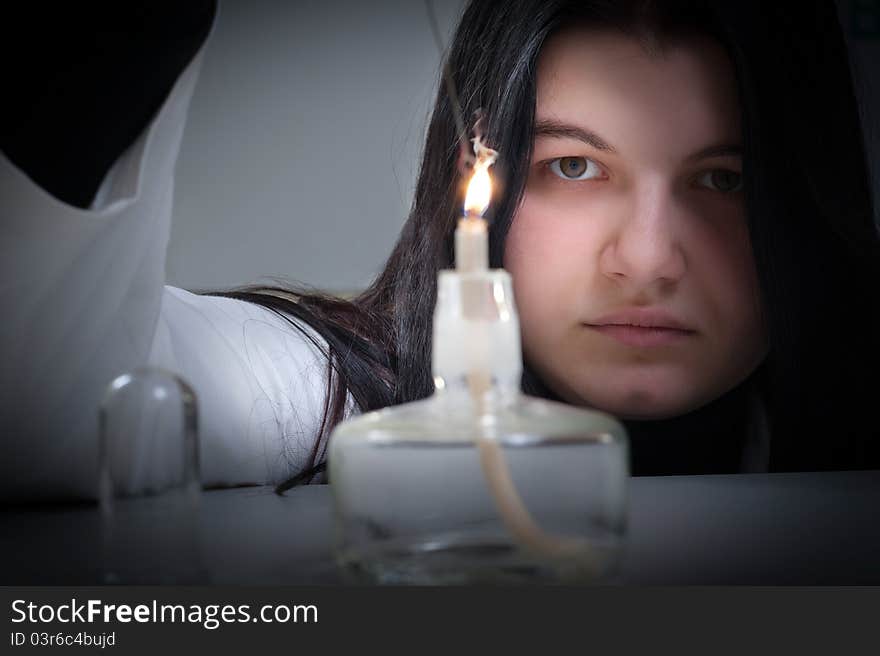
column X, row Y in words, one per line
column 84, row 301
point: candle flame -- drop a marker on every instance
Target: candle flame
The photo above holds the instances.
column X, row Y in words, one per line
column 479, row 190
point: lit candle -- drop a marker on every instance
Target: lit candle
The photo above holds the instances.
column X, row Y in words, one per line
column 472, row 256
column 472, row 235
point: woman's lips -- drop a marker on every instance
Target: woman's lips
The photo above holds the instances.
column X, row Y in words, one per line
column 643, row 336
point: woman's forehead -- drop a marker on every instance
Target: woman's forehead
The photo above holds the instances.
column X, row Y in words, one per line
column 608, row 83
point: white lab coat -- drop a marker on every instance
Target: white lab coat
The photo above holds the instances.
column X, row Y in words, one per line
column 84, row 300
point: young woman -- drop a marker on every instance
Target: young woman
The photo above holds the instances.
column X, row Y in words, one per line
column 684, row 208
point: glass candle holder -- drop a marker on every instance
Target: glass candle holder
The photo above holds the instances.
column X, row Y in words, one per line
column 150, row 490
column 496, row 487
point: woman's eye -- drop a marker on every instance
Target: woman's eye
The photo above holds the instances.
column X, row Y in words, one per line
column 575, row 168
column 722, row 180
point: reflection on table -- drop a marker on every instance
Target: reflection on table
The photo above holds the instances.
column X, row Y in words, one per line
column 799, row 528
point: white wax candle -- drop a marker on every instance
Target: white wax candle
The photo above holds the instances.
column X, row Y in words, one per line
column 471, row 244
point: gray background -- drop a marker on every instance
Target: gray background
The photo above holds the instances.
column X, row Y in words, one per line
column 302, row 145
column 301, row 151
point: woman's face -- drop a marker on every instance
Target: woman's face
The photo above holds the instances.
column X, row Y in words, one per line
column 630, row 256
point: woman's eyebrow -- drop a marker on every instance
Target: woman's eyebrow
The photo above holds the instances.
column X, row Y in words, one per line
column 557, row 130
column 718, row 150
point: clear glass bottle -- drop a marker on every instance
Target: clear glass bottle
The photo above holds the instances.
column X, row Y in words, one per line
column 493, row 486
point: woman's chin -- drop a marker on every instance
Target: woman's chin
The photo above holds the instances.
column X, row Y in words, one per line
column 645, row 394
column 643, row 405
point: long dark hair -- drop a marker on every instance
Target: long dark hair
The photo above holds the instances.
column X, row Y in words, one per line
column 808, row 202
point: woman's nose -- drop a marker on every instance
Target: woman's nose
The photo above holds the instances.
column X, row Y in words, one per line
column 644, row 247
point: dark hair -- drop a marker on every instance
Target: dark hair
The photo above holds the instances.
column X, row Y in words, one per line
column 808, row 203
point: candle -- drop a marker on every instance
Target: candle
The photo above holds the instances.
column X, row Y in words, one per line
column 471, row 244
column 472, row 234
column 472, row 256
